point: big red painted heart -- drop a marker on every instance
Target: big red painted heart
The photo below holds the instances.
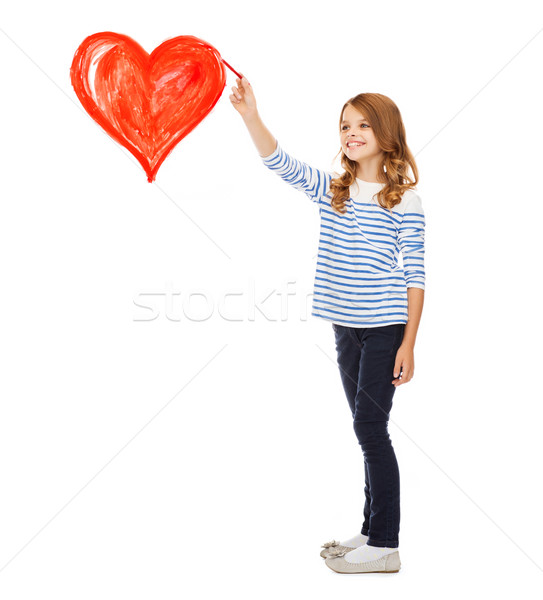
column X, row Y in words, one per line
column 147, row 103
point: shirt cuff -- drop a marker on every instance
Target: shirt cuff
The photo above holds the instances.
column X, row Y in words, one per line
column 271, row 156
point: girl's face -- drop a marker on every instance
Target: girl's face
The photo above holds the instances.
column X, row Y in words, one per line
column 355, row 128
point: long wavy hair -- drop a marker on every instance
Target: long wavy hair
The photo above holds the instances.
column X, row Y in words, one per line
column 384, row 118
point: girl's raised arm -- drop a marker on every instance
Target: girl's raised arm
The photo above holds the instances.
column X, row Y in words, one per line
column 313, row 182
column 244, row 101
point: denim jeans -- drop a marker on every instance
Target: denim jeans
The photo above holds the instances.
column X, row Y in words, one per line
column 366, row 359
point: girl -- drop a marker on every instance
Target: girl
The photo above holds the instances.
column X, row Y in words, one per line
column 368, row 214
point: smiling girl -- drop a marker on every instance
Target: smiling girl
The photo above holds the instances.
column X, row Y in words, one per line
column 368, row 215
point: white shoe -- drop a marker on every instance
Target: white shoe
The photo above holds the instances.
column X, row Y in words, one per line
column 390, row 563
column 328, row 546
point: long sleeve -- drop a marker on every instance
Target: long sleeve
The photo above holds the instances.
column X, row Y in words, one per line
column 411, row 240
column 313, row 182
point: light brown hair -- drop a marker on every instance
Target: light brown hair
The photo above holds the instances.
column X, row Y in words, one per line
column 384, row 117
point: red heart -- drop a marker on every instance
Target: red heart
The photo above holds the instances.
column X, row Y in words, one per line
column 147, row 103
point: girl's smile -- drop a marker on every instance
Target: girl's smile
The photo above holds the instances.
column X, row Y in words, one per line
column 353, row 146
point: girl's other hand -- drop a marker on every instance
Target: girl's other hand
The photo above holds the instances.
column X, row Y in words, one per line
column 243, row 98
column 405, row 362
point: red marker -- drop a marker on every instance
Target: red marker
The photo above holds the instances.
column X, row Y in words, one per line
column 233, row 70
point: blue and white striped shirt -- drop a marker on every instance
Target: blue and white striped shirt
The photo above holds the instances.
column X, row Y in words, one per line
column 358, row 282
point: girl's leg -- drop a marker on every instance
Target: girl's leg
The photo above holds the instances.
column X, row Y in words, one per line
column 349, row 350
column 384, row 477
column 373, row 403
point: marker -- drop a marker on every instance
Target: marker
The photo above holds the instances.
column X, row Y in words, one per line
column 233, row 70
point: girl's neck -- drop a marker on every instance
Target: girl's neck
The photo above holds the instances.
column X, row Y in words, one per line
column 368, row 168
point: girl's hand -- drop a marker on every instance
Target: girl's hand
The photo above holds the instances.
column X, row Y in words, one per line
column 405, row 360
column 243, row 98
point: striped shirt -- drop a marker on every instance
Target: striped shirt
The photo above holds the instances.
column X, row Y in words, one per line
column 358, row 281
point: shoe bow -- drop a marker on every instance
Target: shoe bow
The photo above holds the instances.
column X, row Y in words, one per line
column 330, row 544
column 336, row 552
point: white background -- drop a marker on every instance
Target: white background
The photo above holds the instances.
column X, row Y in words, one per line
column 194, row 456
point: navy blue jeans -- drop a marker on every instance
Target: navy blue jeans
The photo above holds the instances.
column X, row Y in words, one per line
column 366, row 359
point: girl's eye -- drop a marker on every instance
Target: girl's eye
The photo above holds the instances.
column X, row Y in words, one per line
column 363, row 125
